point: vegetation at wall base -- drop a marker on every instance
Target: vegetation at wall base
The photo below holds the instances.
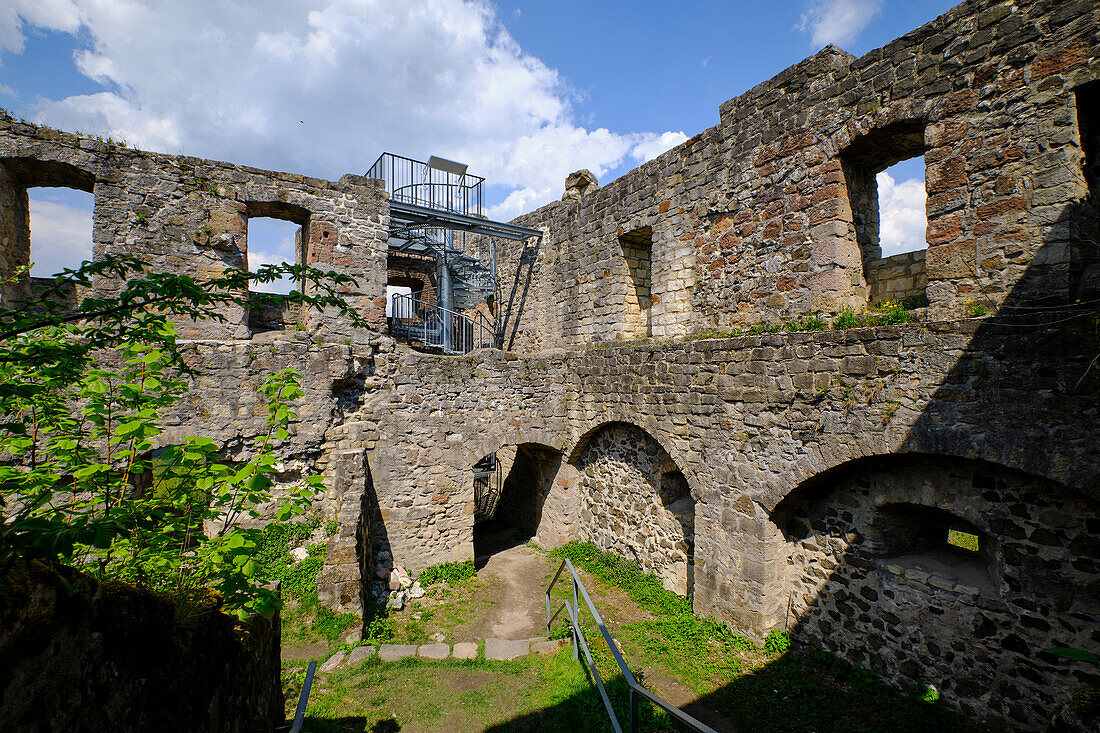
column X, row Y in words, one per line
column 87, row 481
column 447, row 572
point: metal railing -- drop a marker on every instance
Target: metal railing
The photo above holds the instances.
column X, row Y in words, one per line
column 580, row 644
column 437, row 328
column 415, row 182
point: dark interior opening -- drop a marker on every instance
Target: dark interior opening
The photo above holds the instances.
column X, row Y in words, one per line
column 936, row 541
column 1087, row 97
column 508, row 508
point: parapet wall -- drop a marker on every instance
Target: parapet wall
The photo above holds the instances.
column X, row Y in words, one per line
column 772, row 213
column 188, row 215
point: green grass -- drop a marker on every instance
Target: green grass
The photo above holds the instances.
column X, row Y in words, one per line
column 536, row 693
column 645, row 589
column 447, row 572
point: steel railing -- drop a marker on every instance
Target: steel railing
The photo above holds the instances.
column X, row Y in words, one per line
column 415, row 319
column 415, row 182
column 581, row 644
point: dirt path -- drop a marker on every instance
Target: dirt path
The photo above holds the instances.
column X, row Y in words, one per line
column 518, row 574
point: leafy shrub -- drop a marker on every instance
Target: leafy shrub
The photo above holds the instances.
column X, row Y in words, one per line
column 85, row 482
column 447, row 572
column 777, row 641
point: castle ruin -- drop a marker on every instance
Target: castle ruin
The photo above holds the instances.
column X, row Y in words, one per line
column 808, row 479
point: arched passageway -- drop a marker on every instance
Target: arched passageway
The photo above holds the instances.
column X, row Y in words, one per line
column 953, row 572
column 510, row 489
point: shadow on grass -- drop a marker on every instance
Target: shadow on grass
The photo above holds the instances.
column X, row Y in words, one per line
column 799, row 691
column 347, row 724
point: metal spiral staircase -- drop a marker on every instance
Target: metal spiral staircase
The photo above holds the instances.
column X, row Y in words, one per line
column 436, row 211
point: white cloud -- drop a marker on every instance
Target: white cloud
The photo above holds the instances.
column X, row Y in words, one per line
column 324, row 89
column 837, row 21
column 902, row 217
column 271, row 242
column 61, row 230
column 651, row 145
column 16, row 15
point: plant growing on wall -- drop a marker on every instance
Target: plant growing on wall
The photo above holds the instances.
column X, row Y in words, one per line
column 82, row 398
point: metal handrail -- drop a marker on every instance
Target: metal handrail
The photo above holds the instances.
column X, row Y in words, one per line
column 437, row 327
column 579, row 642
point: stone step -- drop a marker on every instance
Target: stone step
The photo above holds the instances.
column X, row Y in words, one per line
column 495, row 649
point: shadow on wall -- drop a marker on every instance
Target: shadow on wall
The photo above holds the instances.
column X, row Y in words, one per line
column 375, row 554
column 927, row 567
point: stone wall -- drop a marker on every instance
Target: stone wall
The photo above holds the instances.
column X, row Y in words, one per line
column 872, row 577
column 900, row 278
column 86, row 656
column 752, row 220
column 627, row 493
column 189, row 215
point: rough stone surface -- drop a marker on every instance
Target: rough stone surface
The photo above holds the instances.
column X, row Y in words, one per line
column 333, row 662
column 135, row 666
column 506, row 649
column 394, row 652
column 465, row 650
column 547, row 647
column 768, row 216
column 434, row 651
column 359, row 654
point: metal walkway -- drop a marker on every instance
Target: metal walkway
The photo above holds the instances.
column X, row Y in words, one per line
column 436, row 211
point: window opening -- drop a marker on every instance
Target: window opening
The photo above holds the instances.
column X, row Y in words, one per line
column 392, row 290
column 637, row 251
column 273, row 242
column 937, row 542
column 60, row 229
column 884, row 173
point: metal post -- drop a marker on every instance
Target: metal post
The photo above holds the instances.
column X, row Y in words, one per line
column 576, row 622
column 446, row 290
column 633, row 711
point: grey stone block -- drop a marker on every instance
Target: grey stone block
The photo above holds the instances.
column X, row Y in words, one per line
column 359, row 653
column 465, row 650
column 505, row 649
column 434, row 651
column 333, row 662
column 547, row 647
column 394, row 652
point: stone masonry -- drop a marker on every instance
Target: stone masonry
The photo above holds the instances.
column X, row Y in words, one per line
column 800, row 480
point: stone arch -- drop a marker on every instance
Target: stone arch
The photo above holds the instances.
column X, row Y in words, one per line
column 634, row 499
column 872, row 574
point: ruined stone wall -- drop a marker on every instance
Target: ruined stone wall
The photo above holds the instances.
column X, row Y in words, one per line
column 868, row 581
column 753, row 221
column 900, row 278
column 190, row 215
column 625, row 501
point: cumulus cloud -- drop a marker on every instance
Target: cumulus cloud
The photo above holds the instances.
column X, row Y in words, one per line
column 324, row 87
column 902, row 217
column 61, row 230
column 17, row 15
column 837, row 21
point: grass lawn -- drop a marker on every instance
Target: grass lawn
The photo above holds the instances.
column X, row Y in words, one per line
column 688, row 659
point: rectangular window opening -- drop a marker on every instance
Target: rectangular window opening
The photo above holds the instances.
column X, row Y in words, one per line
column 59, row 229
column 884, row 172
column 637, row 252
column 273, row 242
column 1087, row 98
column 963, row 540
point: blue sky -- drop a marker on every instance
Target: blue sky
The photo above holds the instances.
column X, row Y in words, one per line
column 523, row 92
